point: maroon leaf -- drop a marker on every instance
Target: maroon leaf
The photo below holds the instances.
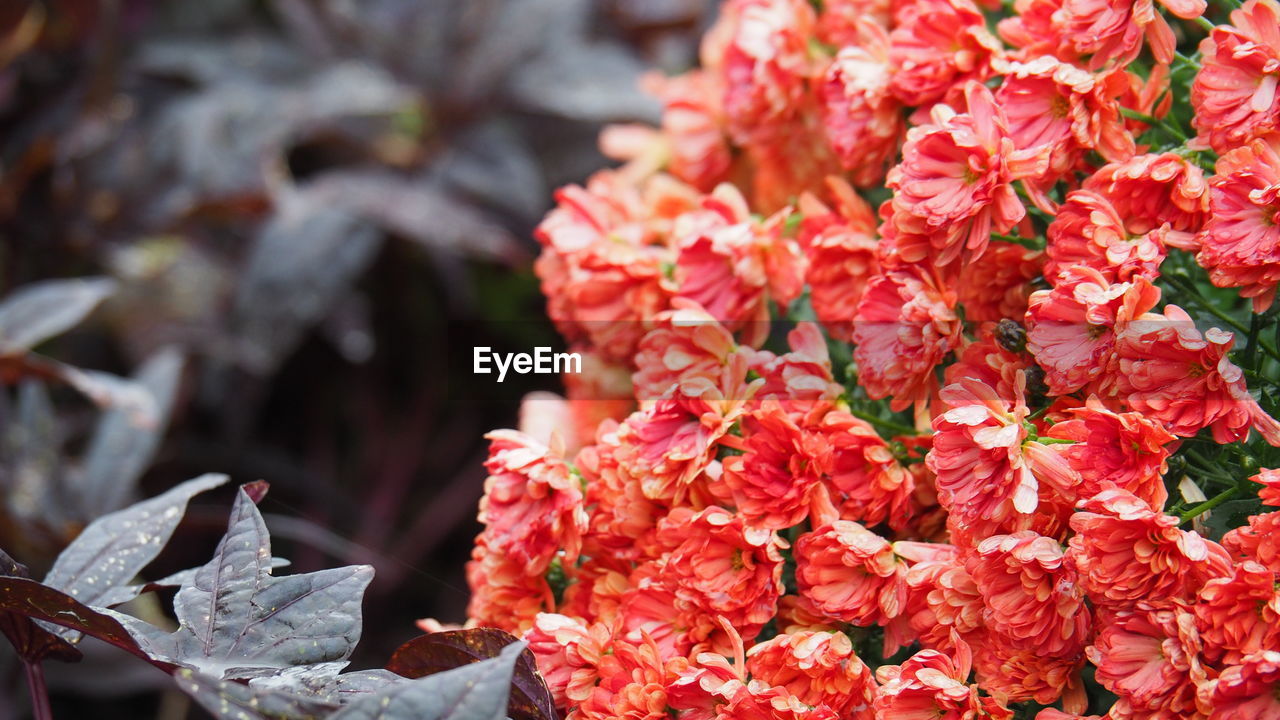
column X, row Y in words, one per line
column 32, row 642
column 436, row 652
column 37, row 601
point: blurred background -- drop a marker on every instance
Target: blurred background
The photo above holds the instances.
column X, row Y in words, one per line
column 303, row 204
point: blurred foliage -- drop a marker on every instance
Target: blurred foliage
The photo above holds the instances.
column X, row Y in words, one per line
column 297, row 207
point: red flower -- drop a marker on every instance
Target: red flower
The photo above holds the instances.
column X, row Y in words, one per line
column 1126, row 552
column 1234, row 94
column 774, row 482
column 532, row 505
column 904, row 326
column 957, row 174
column 1239, row 615
column 818, row 668
column 840, row 246
column 1116, row 450
column 864, row 479
column 1088, row 231
column 1240, row 245
column 1149, row 191
column 765, row 64
column 850, row 573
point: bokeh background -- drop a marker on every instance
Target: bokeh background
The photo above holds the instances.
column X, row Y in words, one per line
column 308, row 206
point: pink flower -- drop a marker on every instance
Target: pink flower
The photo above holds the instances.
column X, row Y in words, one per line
column 850, row 573
column 1120, row 450
column 1113, row 30
column 1239, row 615
column 816, row 668
column 765, row 64
column 988, row 466
column 1240, row 245
column 934, row 686
column 532, row 506
column 1030, row 593
column 1126, row 552
column 862, row 119
column 957, row 175
column 841, row 247
column 774, row 482
column 1148, row 191
column 1184, row 379
column 904, row 326
column 864, row 479
column 1248, row 691
column 1234, row 94
column 1088, row 231
column 693, row 125
column 1150, row 658
column 937, row 46
column 1054, row 104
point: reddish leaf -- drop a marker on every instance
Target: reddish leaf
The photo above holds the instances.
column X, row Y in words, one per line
column 436, row 652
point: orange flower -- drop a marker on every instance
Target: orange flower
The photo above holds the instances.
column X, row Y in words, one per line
column 723, row 566
column 1248, row 691
column 861, row 117
column 1122, row 450
column 1126, row 552
column 1018, row 672
column 503, row 595
column 1239, row 615
column 774, row 482
column 1150, row 659
column 532, row 506
column 1176, row 375
column 693, row 125
column 996, row 285
column 1234, row 94
column 1151, row 190
column 850, row 573
column 904, row 326
column 840, row 246
column 1088, row 231
column 933, row 686
column 957, row 174
column 988, row 466
column 633, row 682
column 935, row 47
column 817, row 668
column 1030, row 594
column 1113, row 30
column 1258, row 541
column 622, row 519
column 863, row 478
column 1240, row 245
column 568, row 654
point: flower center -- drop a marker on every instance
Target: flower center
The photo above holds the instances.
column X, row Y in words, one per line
column 736, row 561
column 1059, row 107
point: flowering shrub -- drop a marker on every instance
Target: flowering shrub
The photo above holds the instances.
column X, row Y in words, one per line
column 1010, row 460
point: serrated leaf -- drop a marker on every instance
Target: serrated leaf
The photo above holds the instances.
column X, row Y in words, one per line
column 438, row 652
column 121, row 450
column 477, row 691
column 116, row 547
column 233, row 701
column 237, row 620
column 36, row 312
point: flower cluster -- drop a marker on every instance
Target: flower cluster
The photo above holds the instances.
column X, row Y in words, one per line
column 974, row 476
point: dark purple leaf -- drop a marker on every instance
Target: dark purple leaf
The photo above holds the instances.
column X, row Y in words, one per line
column 234, row 701
column 121, row 450
column 41, row 602
column 303, row 261
column 116, row 547
column 32, row 642
column 438, row 652
column 237, row 620
column 36, row 312
column 477, row 691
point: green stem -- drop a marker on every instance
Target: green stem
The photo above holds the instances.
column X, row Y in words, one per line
column 1251, row 350
column 1205, row 23
column 1208, row 505
column 1173, row 130
column 891, row 426
column 1184, row 284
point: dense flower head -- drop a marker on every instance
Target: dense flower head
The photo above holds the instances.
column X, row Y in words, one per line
column 1234, row 94
column 817, row 668
column 850, row 573
column 1240, row 244
column 1125, row 552
column 975, row 427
